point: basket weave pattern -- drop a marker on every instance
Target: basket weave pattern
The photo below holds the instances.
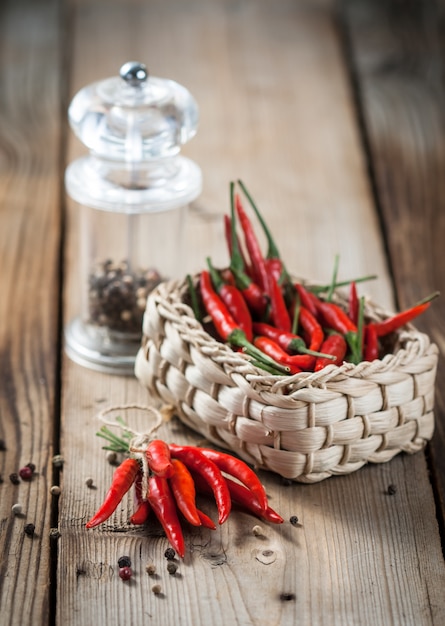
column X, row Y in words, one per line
column 305, row 427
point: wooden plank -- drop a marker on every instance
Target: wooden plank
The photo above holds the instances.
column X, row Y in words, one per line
column 30, row 230
column 276, row 110
column 397, row 56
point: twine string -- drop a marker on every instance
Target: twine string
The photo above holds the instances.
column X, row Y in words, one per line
column 139, row 442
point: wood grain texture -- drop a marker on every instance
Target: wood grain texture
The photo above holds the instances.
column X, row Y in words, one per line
column 398, row 60
column 276, row 110
column 30, row 230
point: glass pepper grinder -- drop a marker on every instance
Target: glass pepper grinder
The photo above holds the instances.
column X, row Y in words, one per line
column 132, row 189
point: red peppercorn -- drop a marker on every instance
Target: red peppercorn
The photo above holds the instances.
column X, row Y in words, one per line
column 26, row 473
column 125, row 573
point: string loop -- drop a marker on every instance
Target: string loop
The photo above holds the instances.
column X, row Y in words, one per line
column 139, row 442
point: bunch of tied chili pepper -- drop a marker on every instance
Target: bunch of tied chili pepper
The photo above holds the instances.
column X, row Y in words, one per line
column 176, row 474
column 285, row 327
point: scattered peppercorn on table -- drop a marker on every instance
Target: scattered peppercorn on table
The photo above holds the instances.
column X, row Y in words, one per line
column 331, row 116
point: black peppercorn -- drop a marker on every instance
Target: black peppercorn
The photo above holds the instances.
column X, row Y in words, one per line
column 29, row 530
column 14, row 478
column 287, row 597
column 124, row 561
column 169, row 554
column 293, row 520
column 392, row 489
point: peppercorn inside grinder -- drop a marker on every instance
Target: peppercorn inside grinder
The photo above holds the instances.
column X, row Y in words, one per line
column 133, row 189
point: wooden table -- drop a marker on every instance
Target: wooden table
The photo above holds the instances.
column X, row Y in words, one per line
column 334, row 116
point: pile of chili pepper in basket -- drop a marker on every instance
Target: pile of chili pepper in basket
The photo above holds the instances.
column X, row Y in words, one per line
column 175, row 475
column 286, row 327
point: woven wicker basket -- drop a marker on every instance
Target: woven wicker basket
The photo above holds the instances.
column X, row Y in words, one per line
column 305, row 427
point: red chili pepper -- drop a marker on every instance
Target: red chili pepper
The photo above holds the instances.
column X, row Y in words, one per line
column 398, row 320
column 371, row 351
column 164, row 507
column 225, row 325
column 275, row 268
column 183, row 488
column 288, row 341
column 123, row 478
column 312, row 327
column 272, row 349
column 240, row 470
column 353, row 303
column 243, row 496
column 278, row 312
column 141, row 514
column 335, row 318
column 142, row 507
column 357, row 354
column 158, row 458
column 335, row 345
column 227, row 276
column 206, row 521
column 307, row 299
column 256, row 299
column 196, row 461
column 234, row 301
column 258, row 263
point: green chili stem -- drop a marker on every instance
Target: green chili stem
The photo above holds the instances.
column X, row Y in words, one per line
column 296, row 316
column 352, row 341
column 238, row 338
column 299, row 346
column 236, row 261
column 268, row 368
column 432, row 296
column 334, row 279
column 343, row 283
column 194, row 298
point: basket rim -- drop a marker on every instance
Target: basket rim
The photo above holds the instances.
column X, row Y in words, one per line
column 167, row 297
